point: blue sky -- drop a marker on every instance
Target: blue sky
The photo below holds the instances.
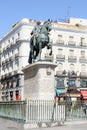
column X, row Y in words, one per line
column 14, row 10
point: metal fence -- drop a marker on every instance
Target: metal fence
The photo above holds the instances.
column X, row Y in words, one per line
column 76, row 110
column 13, row 110
column 42, row 111
column 33, row 111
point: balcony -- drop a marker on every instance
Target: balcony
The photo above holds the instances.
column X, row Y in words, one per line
column 72, row 74
column 83, row 75
column 83, row 59
column 59, row 73
column 16, row 55
column 11, row 58
column 72, row 43
column 0, row 51
column 10, row 74
column 3, row 62
column 83, row 44
column 60, row 57
column 2, row 77
column 4, row 49
column 15, row 72
column 8, row 47
column 6, row 61
column 72, row 58
column 11, row 44
column 7, row 75
column 60, row 42
column 18, row 40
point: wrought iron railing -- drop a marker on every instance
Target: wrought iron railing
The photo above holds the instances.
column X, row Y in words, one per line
column 43, row 111
column 76, row 110
column 13, row 110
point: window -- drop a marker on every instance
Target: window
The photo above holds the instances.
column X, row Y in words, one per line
column 17, row 82
column 7, row 84
column 82, row 41
column 71, row 38
column 82, row 54
column 12, row 51
column 60, row 67
column 8, row 54
column 13, row 39
column 11, row 83
column 83, row 83
column 83, row 68
column 18, row 49
column 16, row 62
column 11, row 95
column 71, row 83
column 60, row 39
column 11, row 64
column 60, row 83
column 72, row 67
column 4, row 55
column 18, row 35
column 7, row 65
column 17, row 95
column 60, row 51
column 71, row 52
column 7, row 96
column 8, row 41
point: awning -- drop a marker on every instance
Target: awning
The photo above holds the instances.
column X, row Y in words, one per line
column 62, row 94
column 85, row 98
column 59, row 91
column 73, row 95
column 84, row 94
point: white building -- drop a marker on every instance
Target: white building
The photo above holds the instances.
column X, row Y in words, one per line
column 69, row 40
column 14, row 56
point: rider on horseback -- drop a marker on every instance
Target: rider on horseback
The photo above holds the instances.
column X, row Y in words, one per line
column 36, row 31
column 39, row 39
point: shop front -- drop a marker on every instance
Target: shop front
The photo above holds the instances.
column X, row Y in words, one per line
column 83, row 88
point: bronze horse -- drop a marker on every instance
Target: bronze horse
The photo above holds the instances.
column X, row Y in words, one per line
column 38, row 42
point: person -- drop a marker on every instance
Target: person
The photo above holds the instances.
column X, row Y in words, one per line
column 34, row 36
column 36, row 30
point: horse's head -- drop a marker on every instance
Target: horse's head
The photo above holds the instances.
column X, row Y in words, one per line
column 48, row 25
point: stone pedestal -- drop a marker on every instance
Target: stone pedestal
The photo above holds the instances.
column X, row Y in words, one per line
column 39, row 81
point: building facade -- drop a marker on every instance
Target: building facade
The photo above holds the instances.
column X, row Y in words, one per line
column 14, row 56
column 70, row 53
column 69, row 44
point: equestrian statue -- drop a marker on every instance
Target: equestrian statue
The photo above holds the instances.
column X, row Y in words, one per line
column 40, row 39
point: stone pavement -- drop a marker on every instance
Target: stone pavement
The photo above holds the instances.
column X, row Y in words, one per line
column 9, row 125
column 70, row 125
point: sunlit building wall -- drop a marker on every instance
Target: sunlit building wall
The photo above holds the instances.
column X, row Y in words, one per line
column 69, row 44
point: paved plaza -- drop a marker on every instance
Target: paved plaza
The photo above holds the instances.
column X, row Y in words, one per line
column 75, row 125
